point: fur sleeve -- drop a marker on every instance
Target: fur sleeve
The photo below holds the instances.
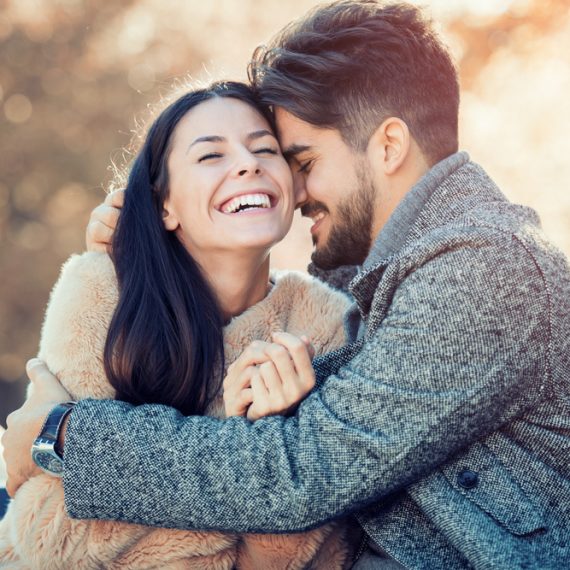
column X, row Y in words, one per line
column 36, row 531
column 80, row 309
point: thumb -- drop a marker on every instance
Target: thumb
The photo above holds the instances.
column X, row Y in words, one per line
column 43, row 380
column 46, row 387
column 37, row 370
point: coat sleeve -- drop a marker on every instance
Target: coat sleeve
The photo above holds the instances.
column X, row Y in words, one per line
column 462, row 348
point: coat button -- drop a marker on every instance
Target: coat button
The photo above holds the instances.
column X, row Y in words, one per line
column 468, row 479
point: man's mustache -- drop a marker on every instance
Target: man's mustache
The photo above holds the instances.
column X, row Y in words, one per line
column 313, row 208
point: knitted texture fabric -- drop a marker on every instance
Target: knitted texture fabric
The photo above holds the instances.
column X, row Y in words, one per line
column 36, row 532
column 447, row 428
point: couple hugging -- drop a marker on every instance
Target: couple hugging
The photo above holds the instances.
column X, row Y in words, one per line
column 413, row 413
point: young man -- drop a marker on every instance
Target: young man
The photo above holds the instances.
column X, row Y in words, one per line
column 444, row 426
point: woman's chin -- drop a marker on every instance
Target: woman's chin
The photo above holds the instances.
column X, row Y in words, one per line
column 258, row 246
column 257, row 239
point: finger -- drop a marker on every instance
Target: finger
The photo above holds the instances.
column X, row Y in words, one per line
column 233, row 387
column 293, row 388
column 237, row 405
column 107, row 215
column 97, row 234
column 45, row 383
column 11, row 487
column 283, row 363
column 253, row 354
column 36, row 370
column 260, row 405
column 238, row 381
column 246, row 397
column 116, row 198
column 274, row 385
column 301, row 358
column 309, row 345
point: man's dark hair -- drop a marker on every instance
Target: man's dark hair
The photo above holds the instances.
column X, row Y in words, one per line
column 351, row 64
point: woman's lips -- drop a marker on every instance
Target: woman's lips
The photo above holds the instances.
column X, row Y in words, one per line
column 253, row 200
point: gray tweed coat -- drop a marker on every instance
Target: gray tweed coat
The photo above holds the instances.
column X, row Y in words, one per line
column 445, row 428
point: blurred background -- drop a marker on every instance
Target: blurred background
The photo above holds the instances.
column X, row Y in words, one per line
column 77, row 75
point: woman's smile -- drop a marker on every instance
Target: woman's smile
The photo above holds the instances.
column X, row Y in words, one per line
column 249, row 202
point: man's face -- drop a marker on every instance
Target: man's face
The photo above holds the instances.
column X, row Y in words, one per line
column 333, row 186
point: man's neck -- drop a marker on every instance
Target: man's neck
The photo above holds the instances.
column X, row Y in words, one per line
column 396, row 187
column 392, row 233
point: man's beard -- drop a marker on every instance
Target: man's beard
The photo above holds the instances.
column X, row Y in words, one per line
column 350, row 235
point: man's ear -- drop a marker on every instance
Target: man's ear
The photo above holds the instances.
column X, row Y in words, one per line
column 389, row 145
column 169, row 218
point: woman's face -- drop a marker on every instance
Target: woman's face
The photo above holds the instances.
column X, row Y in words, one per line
column 230, row 187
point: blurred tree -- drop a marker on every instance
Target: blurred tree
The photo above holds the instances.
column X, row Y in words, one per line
column 69, row 97
column 75, row 73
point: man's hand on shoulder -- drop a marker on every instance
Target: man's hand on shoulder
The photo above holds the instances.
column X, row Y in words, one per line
column 25, row 423
column 103, row 221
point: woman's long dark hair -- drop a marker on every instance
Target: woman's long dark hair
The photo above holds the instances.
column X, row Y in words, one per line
column 165, row 341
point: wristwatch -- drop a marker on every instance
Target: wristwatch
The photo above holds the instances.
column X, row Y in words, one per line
column 44, row 451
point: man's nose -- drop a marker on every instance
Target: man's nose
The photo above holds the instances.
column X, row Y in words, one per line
column 300, row 191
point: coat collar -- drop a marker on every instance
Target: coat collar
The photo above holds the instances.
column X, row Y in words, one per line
column 449, row 189
column 394, row 233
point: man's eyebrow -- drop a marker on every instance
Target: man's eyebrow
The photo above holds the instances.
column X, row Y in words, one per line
column 295, row 149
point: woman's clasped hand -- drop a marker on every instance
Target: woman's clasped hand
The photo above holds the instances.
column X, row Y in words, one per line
column 269, row 378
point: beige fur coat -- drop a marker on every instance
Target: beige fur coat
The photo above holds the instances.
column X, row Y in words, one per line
column 37, row 533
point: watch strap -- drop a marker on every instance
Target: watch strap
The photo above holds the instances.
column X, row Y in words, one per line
column 54, row 421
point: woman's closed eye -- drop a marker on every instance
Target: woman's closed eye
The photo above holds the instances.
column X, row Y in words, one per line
column 266, row 150
column 209, row 156
column 214, row 155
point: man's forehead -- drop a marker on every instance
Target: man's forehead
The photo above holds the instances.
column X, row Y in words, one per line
column 294, row 134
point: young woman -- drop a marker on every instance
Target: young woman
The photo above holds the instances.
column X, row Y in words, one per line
column 188, row 288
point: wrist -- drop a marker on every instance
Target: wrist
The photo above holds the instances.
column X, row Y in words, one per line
column 47, row 449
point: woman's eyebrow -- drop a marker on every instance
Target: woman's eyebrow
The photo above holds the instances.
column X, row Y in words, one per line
column 215, row 138
column 259, row 134
column 211, row 138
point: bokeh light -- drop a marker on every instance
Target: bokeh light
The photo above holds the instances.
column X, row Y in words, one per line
column 17, row 108
column 76, row 76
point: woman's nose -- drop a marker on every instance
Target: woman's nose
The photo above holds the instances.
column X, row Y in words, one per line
column 248, row 164
column 245, row 171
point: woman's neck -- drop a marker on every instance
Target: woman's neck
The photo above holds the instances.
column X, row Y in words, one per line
column 239, row 282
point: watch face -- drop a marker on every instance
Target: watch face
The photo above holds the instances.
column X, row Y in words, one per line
column 48, row 462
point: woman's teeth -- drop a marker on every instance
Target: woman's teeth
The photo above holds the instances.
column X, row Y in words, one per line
column 247, row 201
